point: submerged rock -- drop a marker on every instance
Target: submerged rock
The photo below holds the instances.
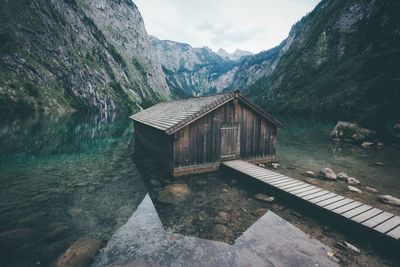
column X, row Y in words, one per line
column 174, row 193
column 263, row 197
column 388, row 199
column 201, row 182
column 79, row 254
column 74, row 212
column 354, row 189
column 367, row 145
column 396, row 130
column 295, row 213
column 275, row 165
column 154, row 182
column 310, row 174
column 371, row 189
column 380, row 144
column 202, row 215
column 260, row 212
column 352, row 180
column 222, row 233
column 11, row 239
column 347, row 246
column 342, row 176
column 312, row 181
column 328, row 173
column 32, row 218
column 277, row 207
column 223, row 217
column 56, row 230
column 379, row 163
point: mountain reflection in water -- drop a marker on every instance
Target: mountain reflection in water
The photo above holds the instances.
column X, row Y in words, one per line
column 270, row 241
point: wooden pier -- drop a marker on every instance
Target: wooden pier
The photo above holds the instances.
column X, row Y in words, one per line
column 377, row 221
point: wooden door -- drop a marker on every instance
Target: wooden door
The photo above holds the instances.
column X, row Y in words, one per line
column 230, row 141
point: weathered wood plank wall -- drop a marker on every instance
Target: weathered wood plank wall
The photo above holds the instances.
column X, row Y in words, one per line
column 200, row 142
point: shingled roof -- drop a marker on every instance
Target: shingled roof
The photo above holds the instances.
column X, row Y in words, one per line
column 174, row 115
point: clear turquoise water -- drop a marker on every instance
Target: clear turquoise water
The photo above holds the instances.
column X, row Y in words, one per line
column 63, row 178
column 67, row 177
column 307, row 145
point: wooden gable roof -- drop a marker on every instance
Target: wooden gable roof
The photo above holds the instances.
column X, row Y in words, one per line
column 174, row 115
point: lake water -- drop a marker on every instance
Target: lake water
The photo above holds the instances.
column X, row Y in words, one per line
column 64, row 178
column 307, row 145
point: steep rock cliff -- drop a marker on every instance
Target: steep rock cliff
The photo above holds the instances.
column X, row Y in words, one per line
column 192, row 71
column 198, row 71
column 63, row 55
column 344, row 61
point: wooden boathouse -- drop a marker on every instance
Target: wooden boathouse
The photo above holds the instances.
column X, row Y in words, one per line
column 195, row 135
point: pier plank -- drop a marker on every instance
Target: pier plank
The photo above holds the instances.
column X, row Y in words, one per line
column 318, row 199
column 312, row 191
column 338, row 204
column 374, row 221
column 305, row 189
column 388, row 225
column 330, row 201
column 280, row 184
column 295, row 183
column 347, row 207
column 356, row 211
column 291, row 189
column 395, row 233
column 321, row 193
column 367, row 215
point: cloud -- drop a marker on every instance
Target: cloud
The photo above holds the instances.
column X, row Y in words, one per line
column 255, row 25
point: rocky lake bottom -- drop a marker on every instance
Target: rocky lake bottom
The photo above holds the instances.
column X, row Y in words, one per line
column 77, row 189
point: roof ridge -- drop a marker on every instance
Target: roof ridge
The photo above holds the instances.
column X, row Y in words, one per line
column 204, row 110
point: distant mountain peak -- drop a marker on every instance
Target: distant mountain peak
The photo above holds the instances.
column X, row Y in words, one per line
column 237, row 55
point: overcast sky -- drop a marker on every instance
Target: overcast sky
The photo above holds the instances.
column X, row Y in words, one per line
column 253, row 25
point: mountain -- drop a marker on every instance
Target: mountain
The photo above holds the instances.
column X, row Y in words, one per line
column 344, row 61
column 192, row 71
column 200, row 71
column 237, row 55
column 340, row 60
column 63, row 55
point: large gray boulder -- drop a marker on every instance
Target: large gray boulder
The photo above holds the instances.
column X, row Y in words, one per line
column 354, row 189
column 351, row 132
column 388, row 199
column 328, row 174
column 352, row 180
column 342, row 176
